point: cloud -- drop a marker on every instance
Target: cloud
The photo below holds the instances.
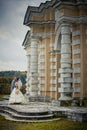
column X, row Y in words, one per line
column 12, row 65
column 12, row 33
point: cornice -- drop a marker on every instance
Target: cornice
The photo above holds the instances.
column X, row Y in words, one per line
column 56, row 4
column 73, row 19
column 41, row 22
column 74, row 4
column 32, row 10
column 43, row 34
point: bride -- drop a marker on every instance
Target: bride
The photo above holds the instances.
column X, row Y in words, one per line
column 16, row 96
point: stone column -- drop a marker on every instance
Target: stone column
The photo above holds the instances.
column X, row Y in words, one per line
column 28, row 72
column 65, row 71
column 33, row 82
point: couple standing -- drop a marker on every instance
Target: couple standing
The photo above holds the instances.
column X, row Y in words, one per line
column 16, row 95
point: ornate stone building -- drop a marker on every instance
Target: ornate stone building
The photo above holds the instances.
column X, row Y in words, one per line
column 56, row 47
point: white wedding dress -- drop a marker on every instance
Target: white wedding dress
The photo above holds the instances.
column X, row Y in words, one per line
column 16, row 96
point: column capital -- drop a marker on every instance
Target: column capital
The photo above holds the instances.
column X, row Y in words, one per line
column 65, row 28
column 65, row 24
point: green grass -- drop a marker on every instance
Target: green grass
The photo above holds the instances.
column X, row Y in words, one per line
column 1, row 95
column 62, row 124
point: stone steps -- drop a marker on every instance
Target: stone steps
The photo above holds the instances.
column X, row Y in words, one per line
column 15, row 115
column 40, row 99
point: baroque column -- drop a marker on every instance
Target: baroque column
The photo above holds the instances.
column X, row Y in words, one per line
column 33, row 82
column 65, row 71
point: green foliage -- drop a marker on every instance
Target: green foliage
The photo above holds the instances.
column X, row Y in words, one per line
column 6, row 78
column 11, row 74
column 4, row 85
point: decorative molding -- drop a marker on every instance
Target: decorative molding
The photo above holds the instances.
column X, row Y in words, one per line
column 76, row 89
column 77, row 51
column 65, row 80
column 76, row 42
column 76, row 61
column 53, row 82
column 65, row 89
column 33, row 11
column 76, row 80
column 65, row 75
column 73, row 19
column 43, row 34
column 65, row 85
column 65, row 70
column 76, row 70
column 76, row 33
column 65, row 60
column 42, row 81
column 53, row 67
column 53, row 89
column 65, row 65
column 53, row 59
column 53, row 74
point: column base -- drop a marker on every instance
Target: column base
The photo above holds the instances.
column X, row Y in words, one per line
column 65, row 98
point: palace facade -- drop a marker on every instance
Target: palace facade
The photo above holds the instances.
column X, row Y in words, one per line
column 56, row 47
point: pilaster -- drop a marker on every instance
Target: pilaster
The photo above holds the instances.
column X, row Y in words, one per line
column 28, row 71
column 33, row 82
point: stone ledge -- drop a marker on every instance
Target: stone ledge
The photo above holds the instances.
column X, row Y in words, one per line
column 65, row 70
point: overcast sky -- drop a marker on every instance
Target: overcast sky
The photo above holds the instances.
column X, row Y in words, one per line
column 12, row 33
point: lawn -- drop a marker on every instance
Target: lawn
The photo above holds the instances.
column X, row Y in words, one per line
column 61, row 124
column 1, row 96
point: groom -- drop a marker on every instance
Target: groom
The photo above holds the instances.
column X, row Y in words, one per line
column 13, row 83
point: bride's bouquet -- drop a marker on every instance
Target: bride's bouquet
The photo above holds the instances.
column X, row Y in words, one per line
column 17, row 91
